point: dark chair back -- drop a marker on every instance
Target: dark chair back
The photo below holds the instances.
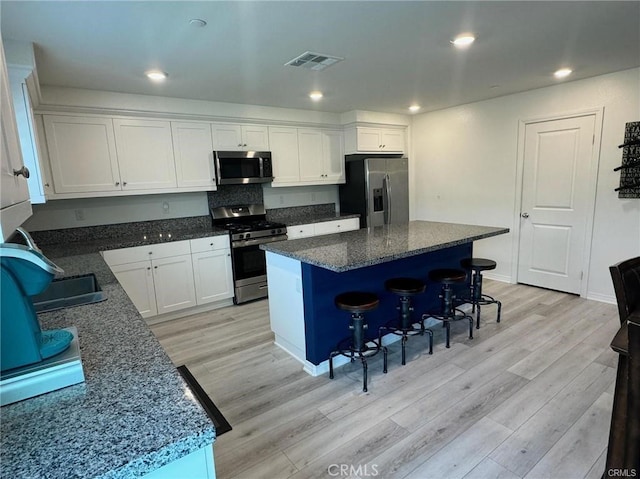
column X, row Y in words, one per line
column 626, row 283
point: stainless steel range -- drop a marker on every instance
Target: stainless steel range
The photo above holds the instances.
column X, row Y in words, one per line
column 248, row 229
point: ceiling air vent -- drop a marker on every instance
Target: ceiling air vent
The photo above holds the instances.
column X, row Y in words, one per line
column 314, row 61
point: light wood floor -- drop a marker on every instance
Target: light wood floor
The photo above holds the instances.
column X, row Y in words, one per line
column 529, row 397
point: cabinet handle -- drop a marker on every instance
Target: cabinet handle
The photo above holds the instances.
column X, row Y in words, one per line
column 155, row 267
column 244, row 144
column 149, row 268
column 24, row 171
column 47, row 185
column 239, row 144
column 228, row 254
column 210, row 244
column 124, row 183
column 150, row 252
column 117, row 183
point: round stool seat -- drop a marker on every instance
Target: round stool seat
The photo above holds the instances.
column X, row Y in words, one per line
column 447, row 276
column 357, row 301
column 405, row 286
column 478, row 264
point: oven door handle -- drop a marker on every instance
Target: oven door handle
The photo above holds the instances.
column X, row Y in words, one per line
column 253, row 242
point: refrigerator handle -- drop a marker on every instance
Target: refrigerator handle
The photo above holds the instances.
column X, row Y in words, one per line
column 386, row 184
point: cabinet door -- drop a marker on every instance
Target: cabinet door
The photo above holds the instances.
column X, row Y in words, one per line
column 82, row 152
column 193, row 152
column 145, row 154
column 213, row 275
column 173, row 279
column 338, row 226
column 255, row 138
column 14, row 192
column 137, row 281
column 312, row 166
column 392, row 140
column 333, row 156
column 368, row 139
column 284, row 151
column 226, row 136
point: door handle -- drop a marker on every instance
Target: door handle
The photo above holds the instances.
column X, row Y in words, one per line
column 24, row 171
column 524, row 215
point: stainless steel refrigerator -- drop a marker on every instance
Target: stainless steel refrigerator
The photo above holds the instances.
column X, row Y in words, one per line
column 376, row 188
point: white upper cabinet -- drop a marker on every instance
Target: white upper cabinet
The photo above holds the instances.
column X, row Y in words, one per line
column 367, row 140
column 284, row 154
column 310, row 155
column 145, row 154
column 15, row 206
column 235, row 137
column 82, row 151
column 321, row 156
column 193, row 153
column 306, row 156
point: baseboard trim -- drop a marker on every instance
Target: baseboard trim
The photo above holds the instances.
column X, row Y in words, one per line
column 203, row 308
column 603, row 298
column 503, row 278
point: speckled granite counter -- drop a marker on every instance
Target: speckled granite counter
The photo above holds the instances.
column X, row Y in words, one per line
column 132, row 415
column 369, row 246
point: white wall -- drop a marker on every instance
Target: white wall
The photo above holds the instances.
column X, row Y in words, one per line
column 464, row 167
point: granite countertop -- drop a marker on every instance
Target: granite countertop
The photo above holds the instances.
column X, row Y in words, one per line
column 129, row 240
column 133, row 414
column 368, row 246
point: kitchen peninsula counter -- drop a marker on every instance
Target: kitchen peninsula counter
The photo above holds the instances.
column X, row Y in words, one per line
column 133, row 415
column 305, row 275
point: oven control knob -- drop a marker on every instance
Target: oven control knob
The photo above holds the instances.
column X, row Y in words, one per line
column 273, row 232
column 246, row 236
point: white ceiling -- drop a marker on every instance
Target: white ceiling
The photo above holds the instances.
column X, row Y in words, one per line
column 396, row 52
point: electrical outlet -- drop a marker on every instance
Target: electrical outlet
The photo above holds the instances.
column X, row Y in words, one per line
column 165, row 207
column 79, row 214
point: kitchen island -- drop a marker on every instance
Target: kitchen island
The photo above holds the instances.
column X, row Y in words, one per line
column 305, row 275
column 134, row 416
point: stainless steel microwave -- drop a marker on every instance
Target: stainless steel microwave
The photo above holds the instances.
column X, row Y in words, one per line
column 240, row 167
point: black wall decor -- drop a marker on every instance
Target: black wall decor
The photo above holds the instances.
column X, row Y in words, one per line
column 630, row 167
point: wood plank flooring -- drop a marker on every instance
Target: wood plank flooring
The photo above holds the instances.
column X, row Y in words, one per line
column 529, row 397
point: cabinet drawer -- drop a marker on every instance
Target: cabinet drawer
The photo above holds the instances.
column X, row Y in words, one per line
column 210, row 243
column 300, row 231
column 337, row 226
column 141, row 253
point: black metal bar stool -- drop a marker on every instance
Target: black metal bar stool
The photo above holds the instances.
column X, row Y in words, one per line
column 448, row 312
column 357, row 345
column 404, row 325
column 477, row 298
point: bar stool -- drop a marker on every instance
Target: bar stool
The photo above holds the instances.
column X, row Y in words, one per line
column 448, row 311
column 404, row 326
column 357, row 303
column 477, row 298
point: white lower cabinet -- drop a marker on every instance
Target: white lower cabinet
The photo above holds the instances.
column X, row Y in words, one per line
column 323, row 228
column 169, row 277
column 158, row 278
column 137, row 280
column 211, row 259
column 174, row 284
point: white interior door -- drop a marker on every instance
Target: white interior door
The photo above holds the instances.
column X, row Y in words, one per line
column 555, row 202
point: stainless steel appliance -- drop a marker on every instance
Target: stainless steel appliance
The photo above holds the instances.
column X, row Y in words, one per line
column 240, row 167
column 376, row 188
column 248, row 229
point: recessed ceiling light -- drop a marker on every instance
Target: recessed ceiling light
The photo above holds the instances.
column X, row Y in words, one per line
column 563, row 73
column 316, row 95
column 414, row 108
column 463, row 40
column 156, row 75
column 197, row 22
